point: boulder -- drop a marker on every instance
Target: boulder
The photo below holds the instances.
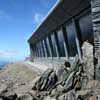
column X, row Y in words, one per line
column 98, row 70
column 56, row 90
column 63, row 97
column 93, row 84
column 87, row 50
column 62, row 74
column 10, row 97
column 46, row 81
column 69, row 80
column 26, row 97
column 51, row 81
column 71, row 95
column 49, row 98
column 3, row 89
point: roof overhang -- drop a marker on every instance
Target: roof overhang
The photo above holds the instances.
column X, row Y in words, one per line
column 61, row 12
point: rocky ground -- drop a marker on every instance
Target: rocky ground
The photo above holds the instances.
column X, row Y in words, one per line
column 16, row 78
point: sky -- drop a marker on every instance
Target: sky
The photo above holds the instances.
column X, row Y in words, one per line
column 18, row 19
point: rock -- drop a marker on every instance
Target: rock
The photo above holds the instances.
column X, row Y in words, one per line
column 93, row 98
column 56, row 90
column 69, row 81
column 98, row 70
column 71, row 95
column 63, row 97
column 46, row 81
column 87, row 50
column 11, row 97
column 0, row 68
column 98, row 97
column 49, row 98
column 3, row 88
column 26, row 97
column 47, row 72
column 33, row 93
column 84, row 94
column 35, row 98
column 61, row 74
column 93, row 84
column 52, row 80
column 75, row 63
column 84, row 81
column 35, row 82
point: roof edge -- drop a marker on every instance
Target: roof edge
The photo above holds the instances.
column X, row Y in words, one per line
column 49, row 13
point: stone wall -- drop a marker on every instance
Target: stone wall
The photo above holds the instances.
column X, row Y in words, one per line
column 95, row 4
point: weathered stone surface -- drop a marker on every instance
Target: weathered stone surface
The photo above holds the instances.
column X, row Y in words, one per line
column 63, row 97
column 10, row 97
column 46, row 81
column 26, row 97
column 93, row 98
column 3, row 88
column 98, row 71
column 61, row 74
column 56, row 90
column 87, row 50
column 52, row 80
column 93, row 84
column 49, row 98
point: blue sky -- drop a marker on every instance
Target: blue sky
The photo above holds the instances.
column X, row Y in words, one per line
column 18, row 19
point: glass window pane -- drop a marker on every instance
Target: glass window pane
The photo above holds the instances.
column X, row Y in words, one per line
column 33, row 50
column 85, row 23
column 47, row 49
column 61, row 43
column 48, row 46
column 41, row 51
column 43, row 48
column 72, row 50
column 38, row 49
column 53, row 45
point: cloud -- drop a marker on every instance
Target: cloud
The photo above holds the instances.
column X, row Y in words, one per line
column 38, row 18
column 7, row 54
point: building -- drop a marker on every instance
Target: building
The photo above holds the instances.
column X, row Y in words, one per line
column 63, row 31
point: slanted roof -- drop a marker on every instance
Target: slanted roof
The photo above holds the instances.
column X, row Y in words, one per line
column 61, row 12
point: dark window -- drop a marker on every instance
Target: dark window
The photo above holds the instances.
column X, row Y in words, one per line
column 72, row 50
column 41, row 51
column 33, row 50
column 61, row 43
column 38, row 49
column 47, row 48
column 36, row 52
column 48, row 45
column 85, row 23
column 53, row 45
column 43, row 48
